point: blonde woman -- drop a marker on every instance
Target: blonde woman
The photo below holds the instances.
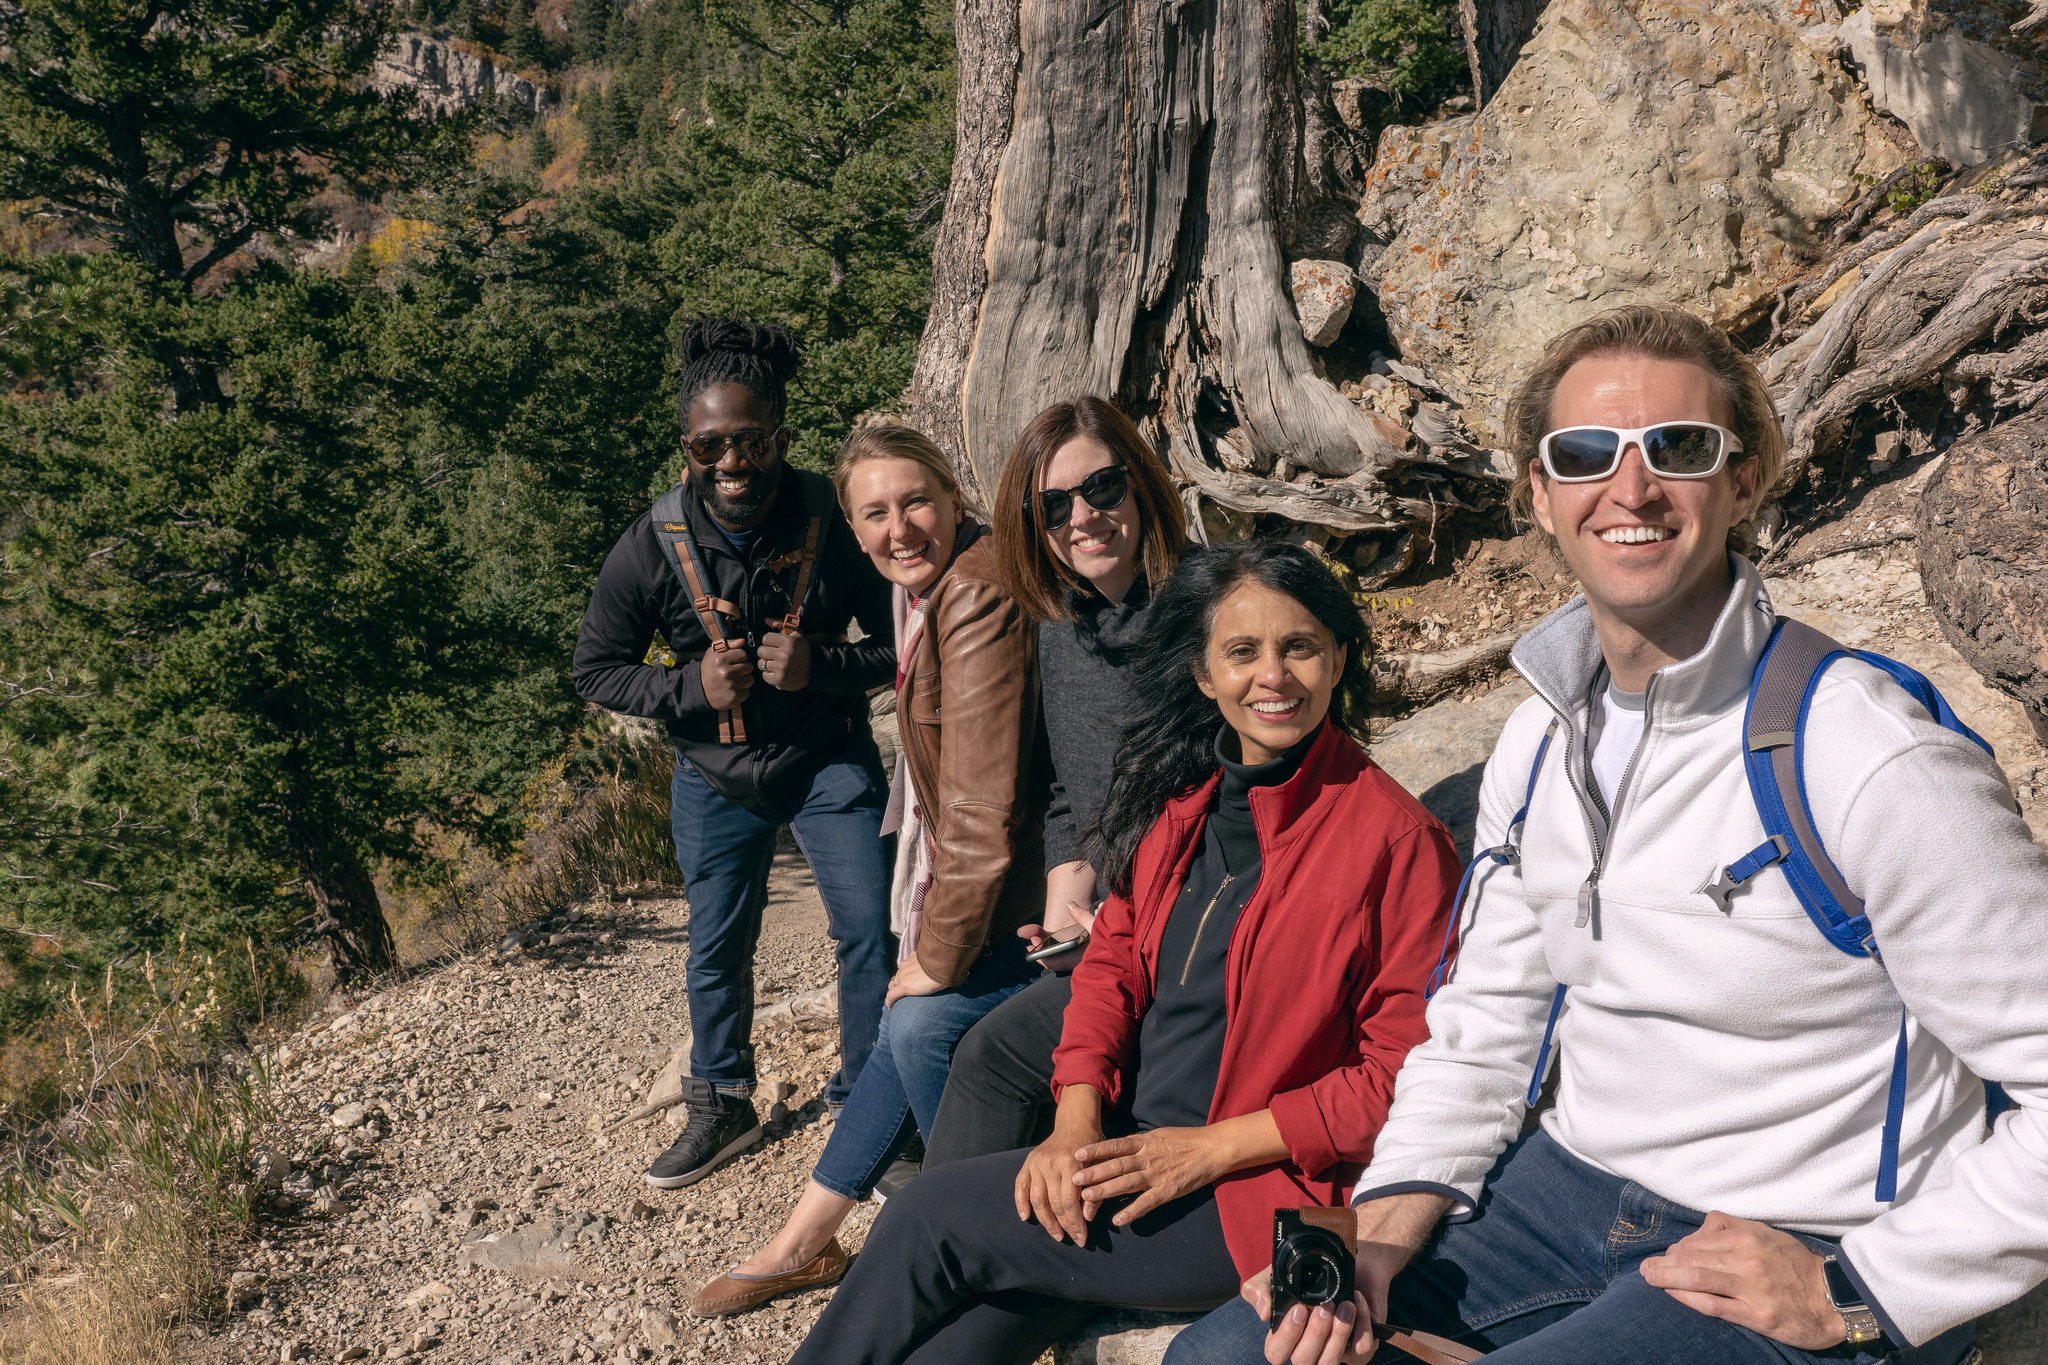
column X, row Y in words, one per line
column 968, row 808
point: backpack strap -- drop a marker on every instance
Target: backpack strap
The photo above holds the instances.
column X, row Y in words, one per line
column 818, row 505
column 1503, row 854
column 1781, row 695
column 672, row 528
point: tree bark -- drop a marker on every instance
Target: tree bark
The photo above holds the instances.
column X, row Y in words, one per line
column 1124, row 183
column 347, row 912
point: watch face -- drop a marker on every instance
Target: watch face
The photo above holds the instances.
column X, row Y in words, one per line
column 1842, row 1291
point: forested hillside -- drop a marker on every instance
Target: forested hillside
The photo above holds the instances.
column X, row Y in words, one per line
column 294, row 555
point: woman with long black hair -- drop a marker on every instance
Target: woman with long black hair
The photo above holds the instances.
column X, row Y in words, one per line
column 1251, row 987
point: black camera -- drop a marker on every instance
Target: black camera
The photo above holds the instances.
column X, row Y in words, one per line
column 1312, row 1259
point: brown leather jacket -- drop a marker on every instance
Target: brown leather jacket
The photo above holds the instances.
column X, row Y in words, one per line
column 978, row 760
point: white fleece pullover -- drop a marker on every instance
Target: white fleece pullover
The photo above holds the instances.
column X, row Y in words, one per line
column 1738, row 1061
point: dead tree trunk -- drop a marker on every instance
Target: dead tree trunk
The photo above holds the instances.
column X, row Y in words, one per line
column 348, row 915
column 1128, row 183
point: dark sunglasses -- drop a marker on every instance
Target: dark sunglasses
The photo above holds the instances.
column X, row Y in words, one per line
column 1105, row 489
column 1671, row 450
column 750, row 443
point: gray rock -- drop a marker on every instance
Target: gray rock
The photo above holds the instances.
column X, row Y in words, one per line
column 1323, row 294
column 448, row 77
column 1617, row 164
column 1963, row 98
column 1123, row 1336
column 1439, row 753
column 546, row 1246
column 659, row 1328
column 270, row 1167
column 349, row 1116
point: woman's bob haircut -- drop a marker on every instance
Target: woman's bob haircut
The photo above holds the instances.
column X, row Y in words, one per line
column 1031, row 572
column 1659, row 333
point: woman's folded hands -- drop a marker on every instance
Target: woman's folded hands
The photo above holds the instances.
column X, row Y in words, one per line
column 1067, row 1178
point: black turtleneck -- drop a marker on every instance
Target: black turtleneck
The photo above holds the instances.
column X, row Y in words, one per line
column 1180, row 1039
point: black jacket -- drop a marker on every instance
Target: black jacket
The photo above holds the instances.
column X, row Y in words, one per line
column 790, row 735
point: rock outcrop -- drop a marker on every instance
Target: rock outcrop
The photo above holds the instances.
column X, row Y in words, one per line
column 1647, row 152
column 1984, row 558
column 452, row 75
column 1954, row 73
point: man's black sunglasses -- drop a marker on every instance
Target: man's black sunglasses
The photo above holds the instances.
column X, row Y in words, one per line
column 1104, row 489
column 750, row 443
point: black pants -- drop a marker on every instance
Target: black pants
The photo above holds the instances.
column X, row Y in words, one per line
column 951, row 1276
column 999, row 1092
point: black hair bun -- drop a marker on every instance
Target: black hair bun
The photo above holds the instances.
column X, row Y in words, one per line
column 774, row 345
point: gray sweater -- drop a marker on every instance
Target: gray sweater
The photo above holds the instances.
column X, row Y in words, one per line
column 1084, row 667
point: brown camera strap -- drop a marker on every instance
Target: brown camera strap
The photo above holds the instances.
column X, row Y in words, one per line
column 1425, row 1346
column 1340, row 1222
column 808, row 557
column 732, row 726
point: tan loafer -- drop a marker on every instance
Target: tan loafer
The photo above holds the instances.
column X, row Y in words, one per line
column 729, row 1294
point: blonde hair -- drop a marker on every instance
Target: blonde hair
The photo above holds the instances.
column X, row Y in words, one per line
column 891, row 441
column 1661, row 333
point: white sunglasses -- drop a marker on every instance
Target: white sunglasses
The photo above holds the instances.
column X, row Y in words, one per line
column 1671, row 450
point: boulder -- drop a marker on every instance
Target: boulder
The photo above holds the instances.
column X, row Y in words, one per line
column 1954, row 73
column 1323, row 293
column 1645, row 153
column 1984, row 558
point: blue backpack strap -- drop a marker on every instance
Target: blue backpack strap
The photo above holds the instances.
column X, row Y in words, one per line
column 1503, row 854
column 1774, row 736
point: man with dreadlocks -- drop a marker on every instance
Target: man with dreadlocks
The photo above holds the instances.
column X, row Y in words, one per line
column 751, row 574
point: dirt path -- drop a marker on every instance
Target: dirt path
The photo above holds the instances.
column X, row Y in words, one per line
column 474, row 1211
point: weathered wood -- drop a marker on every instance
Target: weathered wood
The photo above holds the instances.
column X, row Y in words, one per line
column 2020, row 261
column 1418, row 679
column 1984, row 557
column 985, row 38
column 1146, row 174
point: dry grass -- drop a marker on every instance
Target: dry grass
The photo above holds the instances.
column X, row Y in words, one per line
column 111, row 1213
column 596, row 821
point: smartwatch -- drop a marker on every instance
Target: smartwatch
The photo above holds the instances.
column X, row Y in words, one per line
column 1848, row 1301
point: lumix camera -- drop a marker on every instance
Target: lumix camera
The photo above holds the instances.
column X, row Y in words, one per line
column 1313, row 1265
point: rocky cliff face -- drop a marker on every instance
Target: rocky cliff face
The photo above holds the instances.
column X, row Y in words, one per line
column 450, row 75
column 1652, row 151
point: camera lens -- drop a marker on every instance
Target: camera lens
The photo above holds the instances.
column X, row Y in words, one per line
column 1312, row 1276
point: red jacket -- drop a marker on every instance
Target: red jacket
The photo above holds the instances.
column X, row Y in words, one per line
column 1323, row 995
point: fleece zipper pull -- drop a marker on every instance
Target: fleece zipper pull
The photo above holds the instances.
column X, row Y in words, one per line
column 1589, row 896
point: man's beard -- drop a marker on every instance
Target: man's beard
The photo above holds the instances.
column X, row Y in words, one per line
column 741, row 510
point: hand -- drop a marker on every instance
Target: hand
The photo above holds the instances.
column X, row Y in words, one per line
column 1156, row 1166
column 1037, row 936
column 1045, row 1186
column 1319, row 1337
column 911, row 979
column 785, row 661
column 1754, row 1276
column 727, row 676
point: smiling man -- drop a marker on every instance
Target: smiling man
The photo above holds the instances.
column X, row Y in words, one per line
column 1734, row 1170
column 750, row 573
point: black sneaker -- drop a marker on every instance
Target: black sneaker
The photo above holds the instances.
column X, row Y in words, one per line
column 908, row 1165
column 720, row 1127
column 900, row 1173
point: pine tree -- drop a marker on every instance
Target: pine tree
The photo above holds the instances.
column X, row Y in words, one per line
column 467, row 21
column 822, row 173
column 540, row 153
column 587, row 21
column 591, row 112
column 178, row 132
column 523, row 41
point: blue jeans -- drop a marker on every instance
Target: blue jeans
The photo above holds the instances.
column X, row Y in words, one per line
column 1547, row 1275
column 724, row 851
column 905, row 1077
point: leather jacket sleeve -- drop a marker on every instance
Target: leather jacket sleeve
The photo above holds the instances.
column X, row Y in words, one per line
column 987, row 710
